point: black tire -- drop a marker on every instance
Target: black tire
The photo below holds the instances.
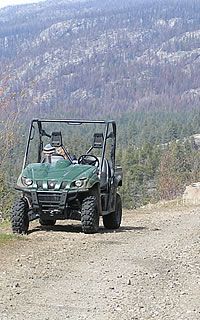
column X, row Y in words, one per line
column 113, row 220
column 47, row 222
column 19, row 216
column 90, row 215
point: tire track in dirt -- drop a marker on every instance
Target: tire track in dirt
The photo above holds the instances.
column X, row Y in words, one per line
column 148, row 269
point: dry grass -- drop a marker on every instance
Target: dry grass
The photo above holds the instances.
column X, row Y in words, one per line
column 6, row 237
column 5, row 233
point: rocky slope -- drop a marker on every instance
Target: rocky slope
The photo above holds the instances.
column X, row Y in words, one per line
column 106, row 57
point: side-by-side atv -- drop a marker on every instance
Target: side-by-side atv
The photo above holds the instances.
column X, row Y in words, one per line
column 55, row 185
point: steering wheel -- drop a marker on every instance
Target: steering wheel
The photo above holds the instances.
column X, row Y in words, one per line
column 88, row 159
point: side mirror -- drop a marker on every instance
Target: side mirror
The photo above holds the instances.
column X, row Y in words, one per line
column 56, row 139
column 98, row 140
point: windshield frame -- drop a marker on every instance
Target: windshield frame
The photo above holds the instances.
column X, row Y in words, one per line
column 39, row 122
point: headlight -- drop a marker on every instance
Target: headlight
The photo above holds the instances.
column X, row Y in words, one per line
column 78, row 183
column 27, row 181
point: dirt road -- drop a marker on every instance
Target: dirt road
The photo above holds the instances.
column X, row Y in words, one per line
column 149, row 269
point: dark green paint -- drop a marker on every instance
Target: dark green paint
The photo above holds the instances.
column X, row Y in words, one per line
column 61, row 171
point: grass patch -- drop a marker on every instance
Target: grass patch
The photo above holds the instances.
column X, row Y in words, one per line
column 5, row 234
column 5, row 224
column 6, row 237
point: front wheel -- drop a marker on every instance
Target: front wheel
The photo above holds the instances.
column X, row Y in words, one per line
column 90, row 215
column 19, row 216
column 113, row 220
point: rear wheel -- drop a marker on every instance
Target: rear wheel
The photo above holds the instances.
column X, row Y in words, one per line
column 113, row 220
column 47, row 222
column 90, row 215
column 19, row 216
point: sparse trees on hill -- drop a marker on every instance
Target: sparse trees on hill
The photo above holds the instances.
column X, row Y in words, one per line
column 137, row 63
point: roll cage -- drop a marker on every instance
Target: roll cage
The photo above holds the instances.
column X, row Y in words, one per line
column 100, row 140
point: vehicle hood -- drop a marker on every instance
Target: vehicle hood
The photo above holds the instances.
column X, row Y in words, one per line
column 61, row 171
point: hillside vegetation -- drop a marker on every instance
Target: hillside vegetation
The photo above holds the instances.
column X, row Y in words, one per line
column 100, row 57
column 136, row 62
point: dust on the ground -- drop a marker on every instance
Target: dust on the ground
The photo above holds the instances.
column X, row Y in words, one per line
column 148, row 269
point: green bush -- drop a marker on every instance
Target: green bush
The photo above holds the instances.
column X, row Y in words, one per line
column 6, row 197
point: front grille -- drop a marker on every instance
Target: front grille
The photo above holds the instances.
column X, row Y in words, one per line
column 49, row 200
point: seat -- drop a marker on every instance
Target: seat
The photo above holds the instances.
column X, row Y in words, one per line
column 105, row 174
column 56, row 157
column 53, row 158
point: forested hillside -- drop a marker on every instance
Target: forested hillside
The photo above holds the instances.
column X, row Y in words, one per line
column 100, row 57
column 137, row 62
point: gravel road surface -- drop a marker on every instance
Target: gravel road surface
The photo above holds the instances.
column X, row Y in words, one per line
column 148, row 269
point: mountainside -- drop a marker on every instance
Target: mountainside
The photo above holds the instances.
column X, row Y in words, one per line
column 94, row 58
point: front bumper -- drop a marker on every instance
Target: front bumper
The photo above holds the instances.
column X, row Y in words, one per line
column 47, row 201
column 41, row 201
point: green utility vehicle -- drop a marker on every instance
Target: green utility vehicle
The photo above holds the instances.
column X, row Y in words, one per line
column 55, row 185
